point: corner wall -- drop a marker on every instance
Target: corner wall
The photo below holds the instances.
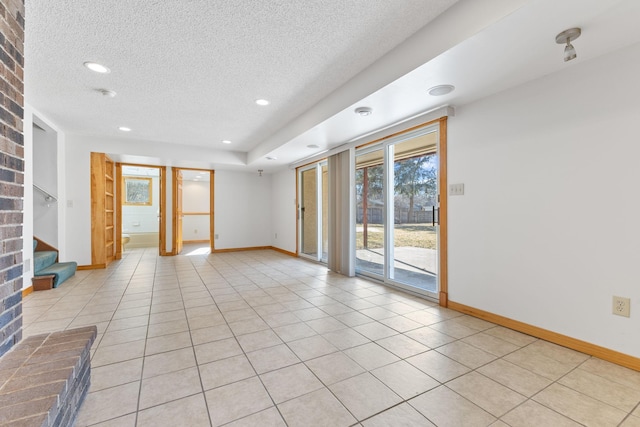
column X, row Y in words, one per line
column 548, row 230
column 11, row 171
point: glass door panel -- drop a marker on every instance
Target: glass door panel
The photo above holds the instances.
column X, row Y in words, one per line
column 309, row 213
column 370, row 213
column 415, row 215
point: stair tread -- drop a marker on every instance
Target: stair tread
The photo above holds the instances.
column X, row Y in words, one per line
column 43, row 259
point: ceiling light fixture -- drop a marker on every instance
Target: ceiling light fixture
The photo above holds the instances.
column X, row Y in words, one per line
column 226, row 141
column 262, row 102
column 124, row 129
column 98, row 68
column 567, row 36
column 272, row 158
column 441, row 90
column 106, row 92
column 363, row 111
column 313, row 146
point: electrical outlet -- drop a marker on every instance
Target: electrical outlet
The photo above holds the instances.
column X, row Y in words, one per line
column 621, row 306
column 216, row 236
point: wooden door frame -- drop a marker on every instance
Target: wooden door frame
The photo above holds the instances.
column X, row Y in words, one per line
column 163, row 200
column 174, row 202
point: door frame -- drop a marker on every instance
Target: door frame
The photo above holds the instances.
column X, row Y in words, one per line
column 441, row 152
column 174, row 203
column 163, row 207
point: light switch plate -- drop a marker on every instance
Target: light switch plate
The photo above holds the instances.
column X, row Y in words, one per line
column 456, row 189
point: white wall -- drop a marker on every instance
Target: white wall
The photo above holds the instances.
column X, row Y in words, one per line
column 547, row 230
column 283, row 210
column 45, row 176
column 242, row 210
column 195, row 198
column 28, row 214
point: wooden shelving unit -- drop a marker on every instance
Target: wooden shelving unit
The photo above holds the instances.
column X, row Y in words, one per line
column 103, row 205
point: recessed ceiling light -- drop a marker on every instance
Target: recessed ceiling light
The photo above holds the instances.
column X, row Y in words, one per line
column 226, row 141
column 106, row 92
column 262, row 102
column 313, row 146
column 272, row 158
column 98, row 68
column 364, row 111
column 441, row 90
column 124, row 129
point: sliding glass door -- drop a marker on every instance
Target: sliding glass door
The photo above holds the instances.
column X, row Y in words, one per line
column 397, row 211
column 313, row 211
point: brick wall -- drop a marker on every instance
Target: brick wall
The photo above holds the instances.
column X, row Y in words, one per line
column 11, row 170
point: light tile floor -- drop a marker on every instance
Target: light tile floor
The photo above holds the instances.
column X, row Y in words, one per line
column 263, row 339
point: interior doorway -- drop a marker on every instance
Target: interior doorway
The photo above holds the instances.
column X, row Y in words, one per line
column 140, row 207
column 45, row 183
column 193, row 213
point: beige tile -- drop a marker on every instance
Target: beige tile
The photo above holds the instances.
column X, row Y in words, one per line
column 618, row 374
column 317, row 409
column 453, row 329
column 168, row 316
column 578, row 406
column 190, row 411
column 378, row 313
column 212, row 333
column 167, row 328
column 248, row 326
column 559, row 353
column 125, row 421
column 267, row 418
column 353, row 319
column 371, row 356
column 243, row 314
column 491, row 344
column 466, row 354
column 430, row 337
column 516, row 378
column 438, row 366
column 602, row 389
column 170, row 361
column 325, row 324
column 312, row 347
column 123, row 336
column 424, row 317
column 401, row 323
column 109, row 403
column 334, row 367
column 401, row 415
column 538, row 363
column 107, row 376
column 225, row 371
column 258, row 340
column 375, row 330
column 402, row 346
column 631, row 422
column 532, row 414
column 345, row 338
column 167, row 387
column 237, row 400
column 486, row 393
column 130, row 312
column 216, row 350
column 167, row 343
column 474, row 323
column 129, row 322
column 290, row 382
column 272, row 358
column 118, row 353
column 280, row 319
column 294, row 332
column 364, row 395
column 445, row 408
column 405, row 379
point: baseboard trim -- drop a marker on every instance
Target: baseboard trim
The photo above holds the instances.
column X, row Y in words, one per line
column 92, row 267
column 253, row 248
column 27, row 291
column 609, row 355
column 196, row 241
column 282, row 251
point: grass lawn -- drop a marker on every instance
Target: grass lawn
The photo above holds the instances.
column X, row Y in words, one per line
column 412, row 235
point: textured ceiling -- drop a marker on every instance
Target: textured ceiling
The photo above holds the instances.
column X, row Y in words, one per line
column 189, row 71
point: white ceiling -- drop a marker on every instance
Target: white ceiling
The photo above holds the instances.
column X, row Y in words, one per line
column 189, row 71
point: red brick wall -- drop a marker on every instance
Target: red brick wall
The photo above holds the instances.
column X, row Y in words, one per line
column 11, row 170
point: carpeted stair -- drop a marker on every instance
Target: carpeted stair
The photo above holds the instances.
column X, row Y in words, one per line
column 45, row 264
